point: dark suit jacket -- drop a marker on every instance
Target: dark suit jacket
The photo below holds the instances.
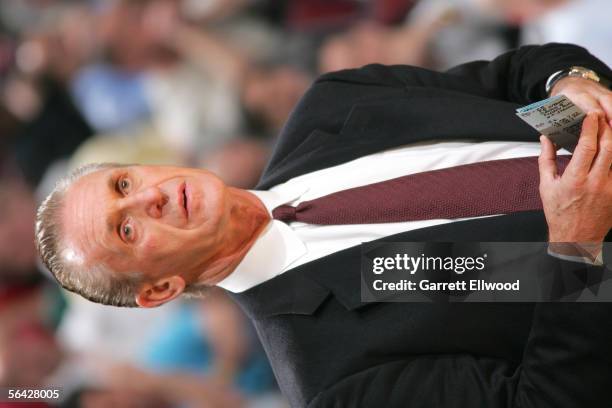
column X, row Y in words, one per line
column 329, row 349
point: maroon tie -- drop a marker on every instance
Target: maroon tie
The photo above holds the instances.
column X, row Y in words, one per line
column 472, row 190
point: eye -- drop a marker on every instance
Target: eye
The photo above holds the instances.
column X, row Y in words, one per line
column 126, row 230
column 124, row 185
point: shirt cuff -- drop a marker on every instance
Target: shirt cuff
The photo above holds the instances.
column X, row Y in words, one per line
column 598, row 261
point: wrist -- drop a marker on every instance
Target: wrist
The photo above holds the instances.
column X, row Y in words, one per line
column 568, row 82
column 575, row 238
column 578, row 74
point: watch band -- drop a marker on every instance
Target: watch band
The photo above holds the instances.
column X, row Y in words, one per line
column 579, row 72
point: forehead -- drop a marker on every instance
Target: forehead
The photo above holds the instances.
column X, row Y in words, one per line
column 84, row 207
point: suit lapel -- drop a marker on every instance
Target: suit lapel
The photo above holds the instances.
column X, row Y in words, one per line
column 419, row 115
column 289, row 293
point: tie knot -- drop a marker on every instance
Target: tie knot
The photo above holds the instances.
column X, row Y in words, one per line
column 284, row 213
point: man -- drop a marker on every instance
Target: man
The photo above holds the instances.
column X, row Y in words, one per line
column 143, row 235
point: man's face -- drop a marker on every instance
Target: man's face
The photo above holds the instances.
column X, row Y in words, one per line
column 156, row 220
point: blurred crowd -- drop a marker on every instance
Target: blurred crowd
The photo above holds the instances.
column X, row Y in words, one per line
column 201, row 83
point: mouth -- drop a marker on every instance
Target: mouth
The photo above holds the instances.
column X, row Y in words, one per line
column 187, row 201
column 183, row 199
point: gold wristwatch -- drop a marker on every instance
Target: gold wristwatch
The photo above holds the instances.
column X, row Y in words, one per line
column 580, row 72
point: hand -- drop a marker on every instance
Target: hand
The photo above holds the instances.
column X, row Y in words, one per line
column 578, row 205
column 586, row 94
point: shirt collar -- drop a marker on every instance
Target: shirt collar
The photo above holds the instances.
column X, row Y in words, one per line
column 285, row 193
column 276, row 248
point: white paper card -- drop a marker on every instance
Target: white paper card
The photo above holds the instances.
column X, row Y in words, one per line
column 556, row 117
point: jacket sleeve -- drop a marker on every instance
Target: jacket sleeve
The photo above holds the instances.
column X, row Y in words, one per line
column 567, row 362
column 520, row 76
column 517, row 76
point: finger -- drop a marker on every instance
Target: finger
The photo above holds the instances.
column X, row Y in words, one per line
column 581, row 161
column 547, row 162
column 606, row 104
column 603, row 161
column 588, row 103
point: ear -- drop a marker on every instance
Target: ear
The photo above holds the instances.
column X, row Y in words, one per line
column 161, row 291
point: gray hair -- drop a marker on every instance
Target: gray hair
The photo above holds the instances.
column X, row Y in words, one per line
column 96, row 283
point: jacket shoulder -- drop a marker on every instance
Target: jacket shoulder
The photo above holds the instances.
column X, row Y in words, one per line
column 328, row 102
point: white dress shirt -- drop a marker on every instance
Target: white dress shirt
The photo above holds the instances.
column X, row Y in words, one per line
column 281, row 247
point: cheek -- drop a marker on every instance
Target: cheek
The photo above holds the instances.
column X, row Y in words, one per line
column 158, row 248
column 152, row 245
column 166, row 246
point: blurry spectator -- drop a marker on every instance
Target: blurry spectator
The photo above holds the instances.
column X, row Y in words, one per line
column 17, row 209
column 110, row 98
column 470, row 34
column 109, row 334
column 28, row 354
column 581, row 22
column 227, row 67
column 9, row 125
column 95, row 337
column 130, row 38
column 370, row 42
column 192, row 110
column 179, row 389
column 27, row 13
column 36, row 93
column 52, row 128
column 201, row 356
column 392, row 11
column 584, row 22
column 7, row 52
column 212, row 338
column 324, row 16
column 270, row 93
column 518, row 12
column 57, row 46
column 214, row 10
column 321, row 15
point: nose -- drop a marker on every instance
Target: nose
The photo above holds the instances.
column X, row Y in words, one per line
column 150, row 200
